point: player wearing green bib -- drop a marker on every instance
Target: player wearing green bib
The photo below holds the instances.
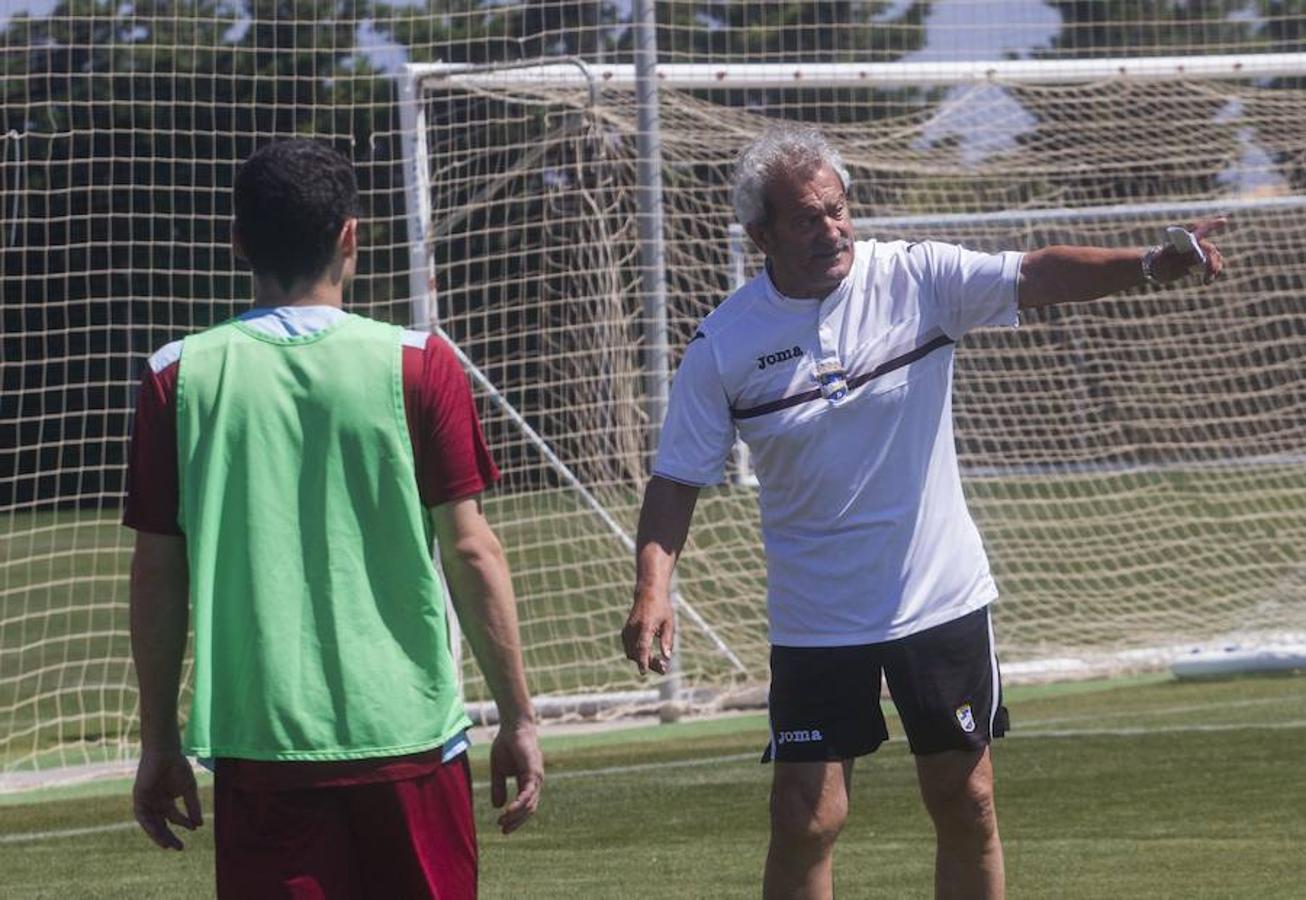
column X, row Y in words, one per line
column 352, row 667
column 291, row 469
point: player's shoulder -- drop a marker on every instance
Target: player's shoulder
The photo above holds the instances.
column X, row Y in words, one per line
column 429, row 358
column 918, row 259
column 166, row 356
column 903, row 250
column 170, row 354
column 417, row 340
column 426, row 344
column 739, row 310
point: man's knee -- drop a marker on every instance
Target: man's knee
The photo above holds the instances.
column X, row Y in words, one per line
column 804, row 816
column 960, row 798
column 965, row 810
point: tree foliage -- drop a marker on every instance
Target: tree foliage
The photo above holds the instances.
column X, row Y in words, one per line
column 1181, row 141
column 123, row 127
column 824, row 31
column 1147, row 27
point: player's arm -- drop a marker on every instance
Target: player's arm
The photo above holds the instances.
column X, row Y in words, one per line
column 663, row 527
column 697, row 436
column 1064, row 274
column 481, row 587
column 159, row 610
column 159, row 618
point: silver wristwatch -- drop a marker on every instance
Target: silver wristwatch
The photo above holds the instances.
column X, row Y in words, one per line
column 1149, row 266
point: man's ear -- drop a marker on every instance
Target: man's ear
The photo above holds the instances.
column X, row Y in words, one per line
column 348, row 240
column 759, row 236
column 237, row 243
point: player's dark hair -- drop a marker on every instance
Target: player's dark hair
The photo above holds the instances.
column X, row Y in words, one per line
column 291, row 198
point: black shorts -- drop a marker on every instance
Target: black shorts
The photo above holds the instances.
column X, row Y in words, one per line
column 825, row 701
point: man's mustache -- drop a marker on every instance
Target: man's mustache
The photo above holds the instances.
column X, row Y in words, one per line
column 831, row 249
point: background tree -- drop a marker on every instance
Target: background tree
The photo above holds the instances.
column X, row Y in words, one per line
column 1284, row 31
column 1178, row 154
column 125, row 124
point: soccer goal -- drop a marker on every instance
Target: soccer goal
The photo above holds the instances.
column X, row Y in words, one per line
column 1135, row 465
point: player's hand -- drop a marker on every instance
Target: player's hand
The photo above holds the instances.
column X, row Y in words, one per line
column 516, row 752
column 162, row 778
column 1172, row 265
column 650, row 618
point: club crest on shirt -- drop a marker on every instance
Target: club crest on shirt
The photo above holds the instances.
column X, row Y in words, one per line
column 966, row 718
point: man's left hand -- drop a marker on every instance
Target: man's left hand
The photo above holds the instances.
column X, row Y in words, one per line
column 516, row 752
column 162, row 778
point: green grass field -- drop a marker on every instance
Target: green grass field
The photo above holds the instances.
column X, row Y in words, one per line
column 1149, row 788
column 1085, row 563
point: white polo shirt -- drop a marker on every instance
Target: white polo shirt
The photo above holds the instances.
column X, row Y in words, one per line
column 865, row 526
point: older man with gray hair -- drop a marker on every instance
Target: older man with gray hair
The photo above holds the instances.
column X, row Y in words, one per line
column 834, row 365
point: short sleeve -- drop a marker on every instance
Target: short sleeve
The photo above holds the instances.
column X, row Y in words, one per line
column 698, row 433
column 971, row 289
column 452, row 458
column 153, row 497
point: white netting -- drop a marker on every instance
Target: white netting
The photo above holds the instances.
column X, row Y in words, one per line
column 1135, row 465
column 121, row 126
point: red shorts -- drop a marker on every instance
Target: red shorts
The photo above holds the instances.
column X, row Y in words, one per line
column 409, row 837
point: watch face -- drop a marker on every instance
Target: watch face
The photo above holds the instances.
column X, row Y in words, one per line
column 1149, row 262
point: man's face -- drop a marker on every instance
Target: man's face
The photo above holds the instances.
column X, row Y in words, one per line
column 808, row 234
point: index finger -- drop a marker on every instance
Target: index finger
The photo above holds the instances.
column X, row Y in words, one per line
column 641, row 637
column 1209, row 226
column 498, row 786
column 191, row 800
column 157, row 831
column 522, row 807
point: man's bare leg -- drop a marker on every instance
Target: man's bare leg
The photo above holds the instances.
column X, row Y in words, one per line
column 957, row 786
column 809, row 804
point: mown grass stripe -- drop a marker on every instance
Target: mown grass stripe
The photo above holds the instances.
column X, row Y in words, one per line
column 31, row 836
column 607, row 771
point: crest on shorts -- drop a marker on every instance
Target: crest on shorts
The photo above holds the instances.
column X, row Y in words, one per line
column 966, row 718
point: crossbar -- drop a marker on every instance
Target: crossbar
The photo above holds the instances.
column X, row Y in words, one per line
column 703, row 76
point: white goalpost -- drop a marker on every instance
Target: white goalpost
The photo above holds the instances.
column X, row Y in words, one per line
column 712, row 76
column 1135, row 466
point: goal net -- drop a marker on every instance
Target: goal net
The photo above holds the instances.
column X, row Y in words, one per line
column 1135, row 465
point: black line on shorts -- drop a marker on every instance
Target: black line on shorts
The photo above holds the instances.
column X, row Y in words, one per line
column 855, row 382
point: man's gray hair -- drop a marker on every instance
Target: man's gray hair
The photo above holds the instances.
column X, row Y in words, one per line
column 780, row 149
